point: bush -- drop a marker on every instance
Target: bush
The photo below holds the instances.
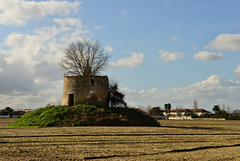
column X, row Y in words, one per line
column 85, row 115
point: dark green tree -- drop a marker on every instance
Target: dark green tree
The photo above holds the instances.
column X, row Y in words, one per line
column 169, row 107
column 235, row 114
column 9, row 111
column 115, row 98
column 166, row 108
column 216, row 109
column 3, row 112
column 223, row 113
column 155, row 111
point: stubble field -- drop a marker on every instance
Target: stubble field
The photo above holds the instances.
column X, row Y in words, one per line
column 175, row 140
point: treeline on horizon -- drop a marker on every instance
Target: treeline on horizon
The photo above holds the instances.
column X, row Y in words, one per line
column 222, row 113
column 218, row 113
column 11, row 112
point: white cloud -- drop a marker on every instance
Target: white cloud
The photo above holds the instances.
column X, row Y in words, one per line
column 31, row 76
column 97, row 27
column 1, row 69
column 18, row 12
column 214, row 90
column 173, row 38
column 47, row 44
column 24, row 48
column 134, row 60
column 230, row 42
column 52, row 94
column 194, row 46
column 237, row 71
column 124, row 12
column 68, row 22
column 168, row 56
column 108, row 49
column 208, row 56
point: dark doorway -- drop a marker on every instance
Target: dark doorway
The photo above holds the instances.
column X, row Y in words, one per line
column 70, row 100
column 92, row 82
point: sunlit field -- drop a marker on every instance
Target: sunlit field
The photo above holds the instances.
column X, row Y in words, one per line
column 175, row 140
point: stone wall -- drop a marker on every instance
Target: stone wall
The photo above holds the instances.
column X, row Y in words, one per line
column 82, row 90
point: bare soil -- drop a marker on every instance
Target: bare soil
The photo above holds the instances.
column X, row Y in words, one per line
column 175, row 140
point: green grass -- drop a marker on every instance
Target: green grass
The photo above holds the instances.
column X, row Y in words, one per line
column 85, row 115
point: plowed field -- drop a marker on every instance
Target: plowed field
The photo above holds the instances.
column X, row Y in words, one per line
column 175, row 140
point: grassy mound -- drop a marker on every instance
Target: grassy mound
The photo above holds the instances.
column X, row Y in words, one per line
column 85, row 115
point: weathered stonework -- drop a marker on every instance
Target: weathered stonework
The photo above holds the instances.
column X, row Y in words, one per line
column 82, row 90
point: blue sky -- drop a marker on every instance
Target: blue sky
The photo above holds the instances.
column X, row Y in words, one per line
column 161, row 51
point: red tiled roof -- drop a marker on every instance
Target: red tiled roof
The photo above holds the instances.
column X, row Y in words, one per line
column 143, row 111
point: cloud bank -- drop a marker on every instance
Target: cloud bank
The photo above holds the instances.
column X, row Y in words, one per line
column 29, row 72
column 18, row 12
column 214, row 90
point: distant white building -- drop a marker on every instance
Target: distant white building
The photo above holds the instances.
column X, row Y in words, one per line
column 184, row 113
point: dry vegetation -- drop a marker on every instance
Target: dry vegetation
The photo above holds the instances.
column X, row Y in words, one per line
column 175, row 140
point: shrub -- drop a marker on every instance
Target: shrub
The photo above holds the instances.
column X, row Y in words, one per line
column 85, row 115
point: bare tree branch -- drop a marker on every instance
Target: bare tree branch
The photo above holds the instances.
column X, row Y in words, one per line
column 84, row 58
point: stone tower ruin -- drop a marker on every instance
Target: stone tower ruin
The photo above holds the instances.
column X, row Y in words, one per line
column 85, row 90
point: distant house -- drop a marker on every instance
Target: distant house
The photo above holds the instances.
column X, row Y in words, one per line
column 178, row 112
column 199, row 112
column 184, row 113
column 28, row 110
column 181, row 112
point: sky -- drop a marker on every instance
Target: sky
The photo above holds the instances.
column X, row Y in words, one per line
column 164, row 51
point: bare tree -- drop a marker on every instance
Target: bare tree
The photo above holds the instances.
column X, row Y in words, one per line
column 195, row 104
column 223, row 107
column 84, row 58
column 228, row 109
